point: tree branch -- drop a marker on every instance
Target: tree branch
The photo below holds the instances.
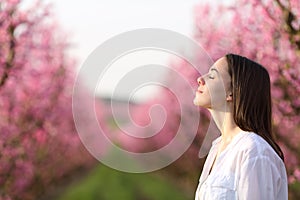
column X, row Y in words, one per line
column 11, row 54
column 289, row 17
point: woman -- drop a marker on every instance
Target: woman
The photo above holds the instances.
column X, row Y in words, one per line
column 244, row 162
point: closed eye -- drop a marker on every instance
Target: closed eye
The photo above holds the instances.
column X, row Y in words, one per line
column 211, row 76
column 212, row 71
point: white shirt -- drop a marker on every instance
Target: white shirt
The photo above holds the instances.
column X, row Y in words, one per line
column 248, row 168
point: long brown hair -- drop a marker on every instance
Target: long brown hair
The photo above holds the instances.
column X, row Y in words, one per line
column 251, row 93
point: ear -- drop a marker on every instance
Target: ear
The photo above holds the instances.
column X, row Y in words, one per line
column 229, row 97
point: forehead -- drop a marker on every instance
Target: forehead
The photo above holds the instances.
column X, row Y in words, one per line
column 221, row 65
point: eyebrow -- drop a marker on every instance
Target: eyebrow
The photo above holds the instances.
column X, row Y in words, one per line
column 214, row 69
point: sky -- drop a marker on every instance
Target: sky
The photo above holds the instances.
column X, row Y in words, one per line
column 89, row 23
column 94, row 21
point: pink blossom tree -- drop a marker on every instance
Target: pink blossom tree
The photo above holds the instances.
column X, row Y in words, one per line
column 39, row 144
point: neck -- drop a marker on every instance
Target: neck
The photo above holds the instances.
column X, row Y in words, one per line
column 225, row 123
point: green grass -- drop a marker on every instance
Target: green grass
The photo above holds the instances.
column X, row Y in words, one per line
column 104, row 183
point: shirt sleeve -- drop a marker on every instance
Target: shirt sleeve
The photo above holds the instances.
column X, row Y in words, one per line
column 259, row 179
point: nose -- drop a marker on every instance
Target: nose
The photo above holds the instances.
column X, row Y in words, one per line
column 200, row 81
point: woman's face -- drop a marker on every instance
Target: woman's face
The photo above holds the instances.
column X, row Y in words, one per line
column 214, row 87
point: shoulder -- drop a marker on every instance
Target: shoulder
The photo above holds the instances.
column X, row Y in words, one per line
column 252, row 149
column 253, row 145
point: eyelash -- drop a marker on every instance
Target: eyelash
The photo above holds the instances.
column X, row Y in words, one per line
column 211, row 77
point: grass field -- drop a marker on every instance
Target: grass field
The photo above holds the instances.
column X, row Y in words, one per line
column 104, row 183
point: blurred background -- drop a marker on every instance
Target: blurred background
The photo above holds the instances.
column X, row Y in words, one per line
column 43, row 44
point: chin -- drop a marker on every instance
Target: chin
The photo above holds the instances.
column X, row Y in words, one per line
column 201, row 104
column 197, row 103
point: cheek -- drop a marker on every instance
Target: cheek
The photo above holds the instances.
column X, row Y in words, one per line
column 227, row 83
column 217, row 91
